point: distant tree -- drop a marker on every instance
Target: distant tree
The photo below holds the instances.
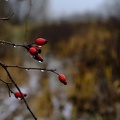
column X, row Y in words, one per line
column 34, row 9
column 113, row 8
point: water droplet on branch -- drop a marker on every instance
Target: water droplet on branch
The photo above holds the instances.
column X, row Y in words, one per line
column 42, row 70
column 40, row 61
column 3, row 43
column 19, row 98
column 27, row 69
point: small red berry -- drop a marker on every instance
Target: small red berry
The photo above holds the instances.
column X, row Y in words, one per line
column 41, row 41
column 19, row 96
column 38, row 57
column 62, row 79
column 32, row 51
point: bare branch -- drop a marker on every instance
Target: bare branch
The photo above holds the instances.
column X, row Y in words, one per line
column 31, row 68
column 16, row 45
column 15, row 84
column 13, row 44
column 5, row 81
column 7, row 18
column 7, row 84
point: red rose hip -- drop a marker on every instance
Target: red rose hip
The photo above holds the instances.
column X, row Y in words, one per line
column 62, row 79
column 41, row 41
column 38, row 49
column 38, row 57
column 19, row 96
column 32, row 51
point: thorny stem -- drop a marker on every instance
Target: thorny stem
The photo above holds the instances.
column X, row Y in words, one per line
column 15, row 84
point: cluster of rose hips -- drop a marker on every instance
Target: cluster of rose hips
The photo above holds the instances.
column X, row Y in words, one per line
column 35, row 50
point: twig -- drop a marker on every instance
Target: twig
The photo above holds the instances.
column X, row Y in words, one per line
column 16, row 45
column 29, row 68
column 13, row 44
column 7, row 18
column 15, row 84
column 7, row 84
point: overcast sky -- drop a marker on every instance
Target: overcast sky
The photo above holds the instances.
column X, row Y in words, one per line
column 56, row 8
column 68, row 7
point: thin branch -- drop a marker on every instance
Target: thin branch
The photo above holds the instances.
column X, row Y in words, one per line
column 29, row 68
column 5, row 81
column 9, row 90
column 16, row 45
column 15, row 84
column 13, row 44
column 7, row 84
column 7, row 18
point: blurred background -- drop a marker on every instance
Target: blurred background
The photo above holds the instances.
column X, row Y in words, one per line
column 83, row 43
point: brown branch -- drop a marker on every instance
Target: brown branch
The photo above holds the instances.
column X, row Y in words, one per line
column 12, row 44
column 16, row 45
column 15, row 84
column 29, row 68
column 7, row 18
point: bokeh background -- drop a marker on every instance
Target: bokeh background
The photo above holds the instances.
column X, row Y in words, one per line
column 83, row 43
